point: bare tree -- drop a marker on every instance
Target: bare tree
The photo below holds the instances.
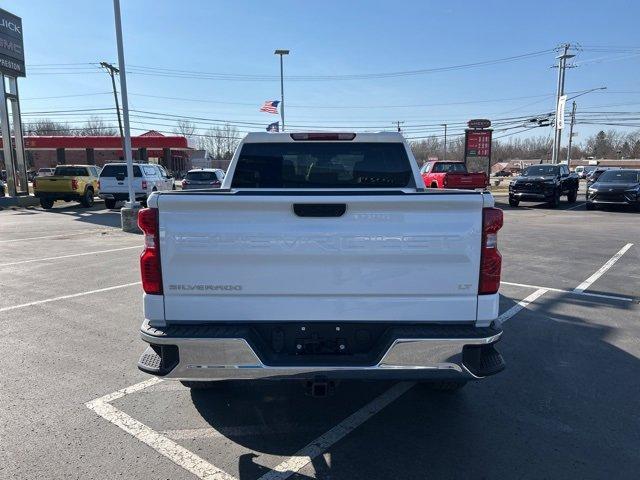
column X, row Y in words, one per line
column 95, row 126
column 220, row 142
column 46, row 127
column 186, row 128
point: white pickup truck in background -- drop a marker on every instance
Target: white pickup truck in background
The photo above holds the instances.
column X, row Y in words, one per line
column 321, row 257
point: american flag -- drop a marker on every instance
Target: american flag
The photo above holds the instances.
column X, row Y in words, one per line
column 270, row 106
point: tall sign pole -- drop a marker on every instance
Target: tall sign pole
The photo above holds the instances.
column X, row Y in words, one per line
column 125, row 105
column 560, row 102
column 12, row 66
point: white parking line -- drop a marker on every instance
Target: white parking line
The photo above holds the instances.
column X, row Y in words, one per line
column 161, row 444
column 321, row 444
column 65, row 297
column 573, row 292
column 520, row 305
column 63, row 235
column 33, row 260
column 589, row 281
column 282, row 428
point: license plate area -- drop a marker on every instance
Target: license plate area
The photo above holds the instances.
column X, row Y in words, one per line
column 325, row 343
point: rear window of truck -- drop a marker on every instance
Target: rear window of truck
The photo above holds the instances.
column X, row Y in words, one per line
column 202, row 176
column 71, row 172
column 442, row 167
column 115, row 170
column 323, row 165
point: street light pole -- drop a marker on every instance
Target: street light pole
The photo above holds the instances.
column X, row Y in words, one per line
column 281, row 53
column 573, row 120
column 445, row 140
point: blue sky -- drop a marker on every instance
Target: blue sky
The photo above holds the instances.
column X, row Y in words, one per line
column 332, row 38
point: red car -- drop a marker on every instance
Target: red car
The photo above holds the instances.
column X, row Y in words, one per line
column 448, row 174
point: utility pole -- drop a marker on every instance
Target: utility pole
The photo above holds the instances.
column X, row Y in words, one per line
column 281, row 53
column 111, row 70
column 573, row 120
column 444, row 157
column 398, row 123
column 562, row 65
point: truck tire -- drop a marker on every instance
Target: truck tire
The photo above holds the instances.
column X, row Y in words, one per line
column 434, row 185
column 513, row 202
column 46, row 203
column 445, row 385
column 572, row 196
column 555, row 201
column 200, row 385
column 87, row 199
column 110, row 203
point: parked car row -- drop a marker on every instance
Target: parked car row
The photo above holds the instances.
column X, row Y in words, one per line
column 83, row 183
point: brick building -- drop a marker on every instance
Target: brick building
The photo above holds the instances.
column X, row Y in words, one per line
column 48, row 151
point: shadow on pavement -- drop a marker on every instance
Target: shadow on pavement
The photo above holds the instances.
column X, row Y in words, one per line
column 565, row 407
column 96, row 215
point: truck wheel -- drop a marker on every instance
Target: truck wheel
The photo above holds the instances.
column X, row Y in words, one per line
column 555, row 201
column 109, row 203
column 446, row 385
column 200, row 385
column 513, row 202
column 87, row 198
column 434, row 185
column 572, row 196
column 46, row 203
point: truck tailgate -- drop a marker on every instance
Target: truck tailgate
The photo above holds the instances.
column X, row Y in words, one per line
column 248, row 256
column 466, row 180
column 53, row 184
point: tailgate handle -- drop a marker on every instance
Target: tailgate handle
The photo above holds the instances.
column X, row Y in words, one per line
column 319, row 209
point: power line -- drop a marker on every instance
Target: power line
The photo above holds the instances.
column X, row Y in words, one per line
column 83, row 69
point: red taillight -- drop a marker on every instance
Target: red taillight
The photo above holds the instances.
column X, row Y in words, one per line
column 490, row 258
column 74, row 184
column 150, row 258
column 98, row 184
column 144, row 184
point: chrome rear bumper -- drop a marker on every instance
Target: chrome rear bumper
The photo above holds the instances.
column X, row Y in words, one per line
column 193, row 355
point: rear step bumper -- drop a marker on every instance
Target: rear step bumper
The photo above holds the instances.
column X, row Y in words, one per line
column 398, row 352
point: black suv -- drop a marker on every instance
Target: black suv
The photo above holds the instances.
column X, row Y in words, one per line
column 544, row 183
column 615, row 187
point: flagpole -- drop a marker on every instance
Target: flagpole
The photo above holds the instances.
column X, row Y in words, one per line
column 281, row 53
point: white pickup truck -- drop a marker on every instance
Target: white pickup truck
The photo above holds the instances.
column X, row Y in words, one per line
column 321, row 257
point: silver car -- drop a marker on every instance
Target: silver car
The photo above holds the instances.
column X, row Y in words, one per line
column 199, row 178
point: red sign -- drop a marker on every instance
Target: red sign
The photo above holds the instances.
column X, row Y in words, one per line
column 478, row 143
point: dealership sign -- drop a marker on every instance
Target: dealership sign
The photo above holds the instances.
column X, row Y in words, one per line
column 11, row 45
column 479, row 123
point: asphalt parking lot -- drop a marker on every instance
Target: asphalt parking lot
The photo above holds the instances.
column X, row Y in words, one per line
column 74, row 405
